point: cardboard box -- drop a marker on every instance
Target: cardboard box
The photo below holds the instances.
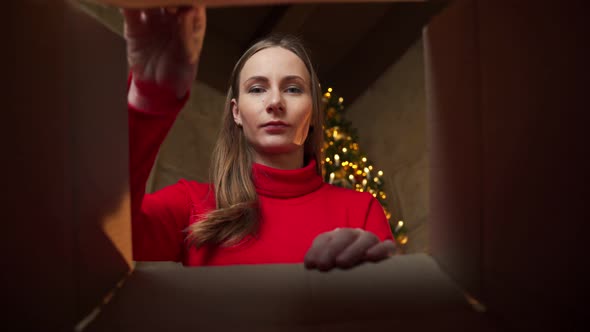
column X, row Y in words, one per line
column 221, row 3
column 509, row 191
column 404, row 292
column 65, row 165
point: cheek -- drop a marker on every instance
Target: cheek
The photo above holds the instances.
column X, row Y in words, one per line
column 305, row 115
column 248, row 113
column 304, row 121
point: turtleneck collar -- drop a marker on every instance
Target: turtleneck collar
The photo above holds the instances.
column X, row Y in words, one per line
column 281, row 183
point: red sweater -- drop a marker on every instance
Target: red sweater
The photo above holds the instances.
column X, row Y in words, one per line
column 296, row 205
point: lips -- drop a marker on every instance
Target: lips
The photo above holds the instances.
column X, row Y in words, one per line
column 275, row 124
column 275, row 127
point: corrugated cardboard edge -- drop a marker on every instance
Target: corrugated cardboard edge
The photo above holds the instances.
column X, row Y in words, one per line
column 401, row 290
column 224, row 3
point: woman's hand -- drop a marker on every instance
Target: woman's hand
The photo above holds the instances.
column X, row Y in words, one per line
column 164, row 45
column 345, row 248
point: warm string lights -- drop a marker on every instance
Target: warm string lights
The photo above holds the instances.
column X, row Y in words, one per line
column 345, row 165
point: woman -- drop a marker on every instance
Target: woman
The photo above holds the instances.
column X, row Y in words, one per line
column 267, row 202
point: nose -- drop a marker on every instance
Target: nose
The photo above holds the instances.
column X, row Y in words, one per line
column 275, row 102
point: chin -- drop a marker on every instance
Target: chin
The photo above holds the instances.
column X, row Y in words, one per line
column 276, row 150
column 277, row 147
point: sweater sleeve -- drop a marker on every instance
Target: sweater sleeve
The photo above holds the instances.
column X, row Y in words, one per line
column 376, row 222
column 158, row 219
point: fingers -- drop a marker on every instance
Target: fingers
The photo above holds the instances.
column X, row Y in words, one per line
column 153, row 14
column 355, row 252
column 318, row 244
column 135, row 17
column 381, row 251
column 132, row 16
column 141, row 21
column 345, row 248
column 194, row 22
column 340, row 240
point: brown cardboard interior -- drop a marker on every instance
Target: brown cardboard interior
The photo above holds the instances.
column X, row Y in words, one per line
column 509, row 185
column 508, row 168
column 400, row 292
column 66, row 149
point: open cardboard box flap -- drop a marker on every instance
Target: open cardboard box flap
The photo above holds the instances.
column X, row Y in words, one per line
column 69, row 231
column 397, row 292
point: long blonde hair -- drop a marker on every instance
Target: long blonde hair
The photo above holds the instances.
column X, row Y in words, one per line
column 237, row 212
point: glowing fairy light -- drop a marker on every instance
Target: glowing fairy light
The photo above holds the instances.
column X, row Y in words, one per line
column 399, row 225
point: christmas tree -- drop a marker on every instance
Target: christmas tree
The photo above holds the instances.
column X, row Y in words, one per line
column 346, row 166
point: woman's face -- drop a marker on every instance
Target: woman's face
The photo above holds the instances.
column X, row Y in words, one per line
column 274, row 106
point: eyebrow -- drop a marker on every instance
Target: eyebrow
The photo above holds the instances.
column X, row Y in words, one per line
column 265, row 79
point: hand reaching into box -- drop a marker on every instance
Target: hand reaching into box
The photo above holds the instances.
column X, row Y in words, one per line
column 164, row 45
